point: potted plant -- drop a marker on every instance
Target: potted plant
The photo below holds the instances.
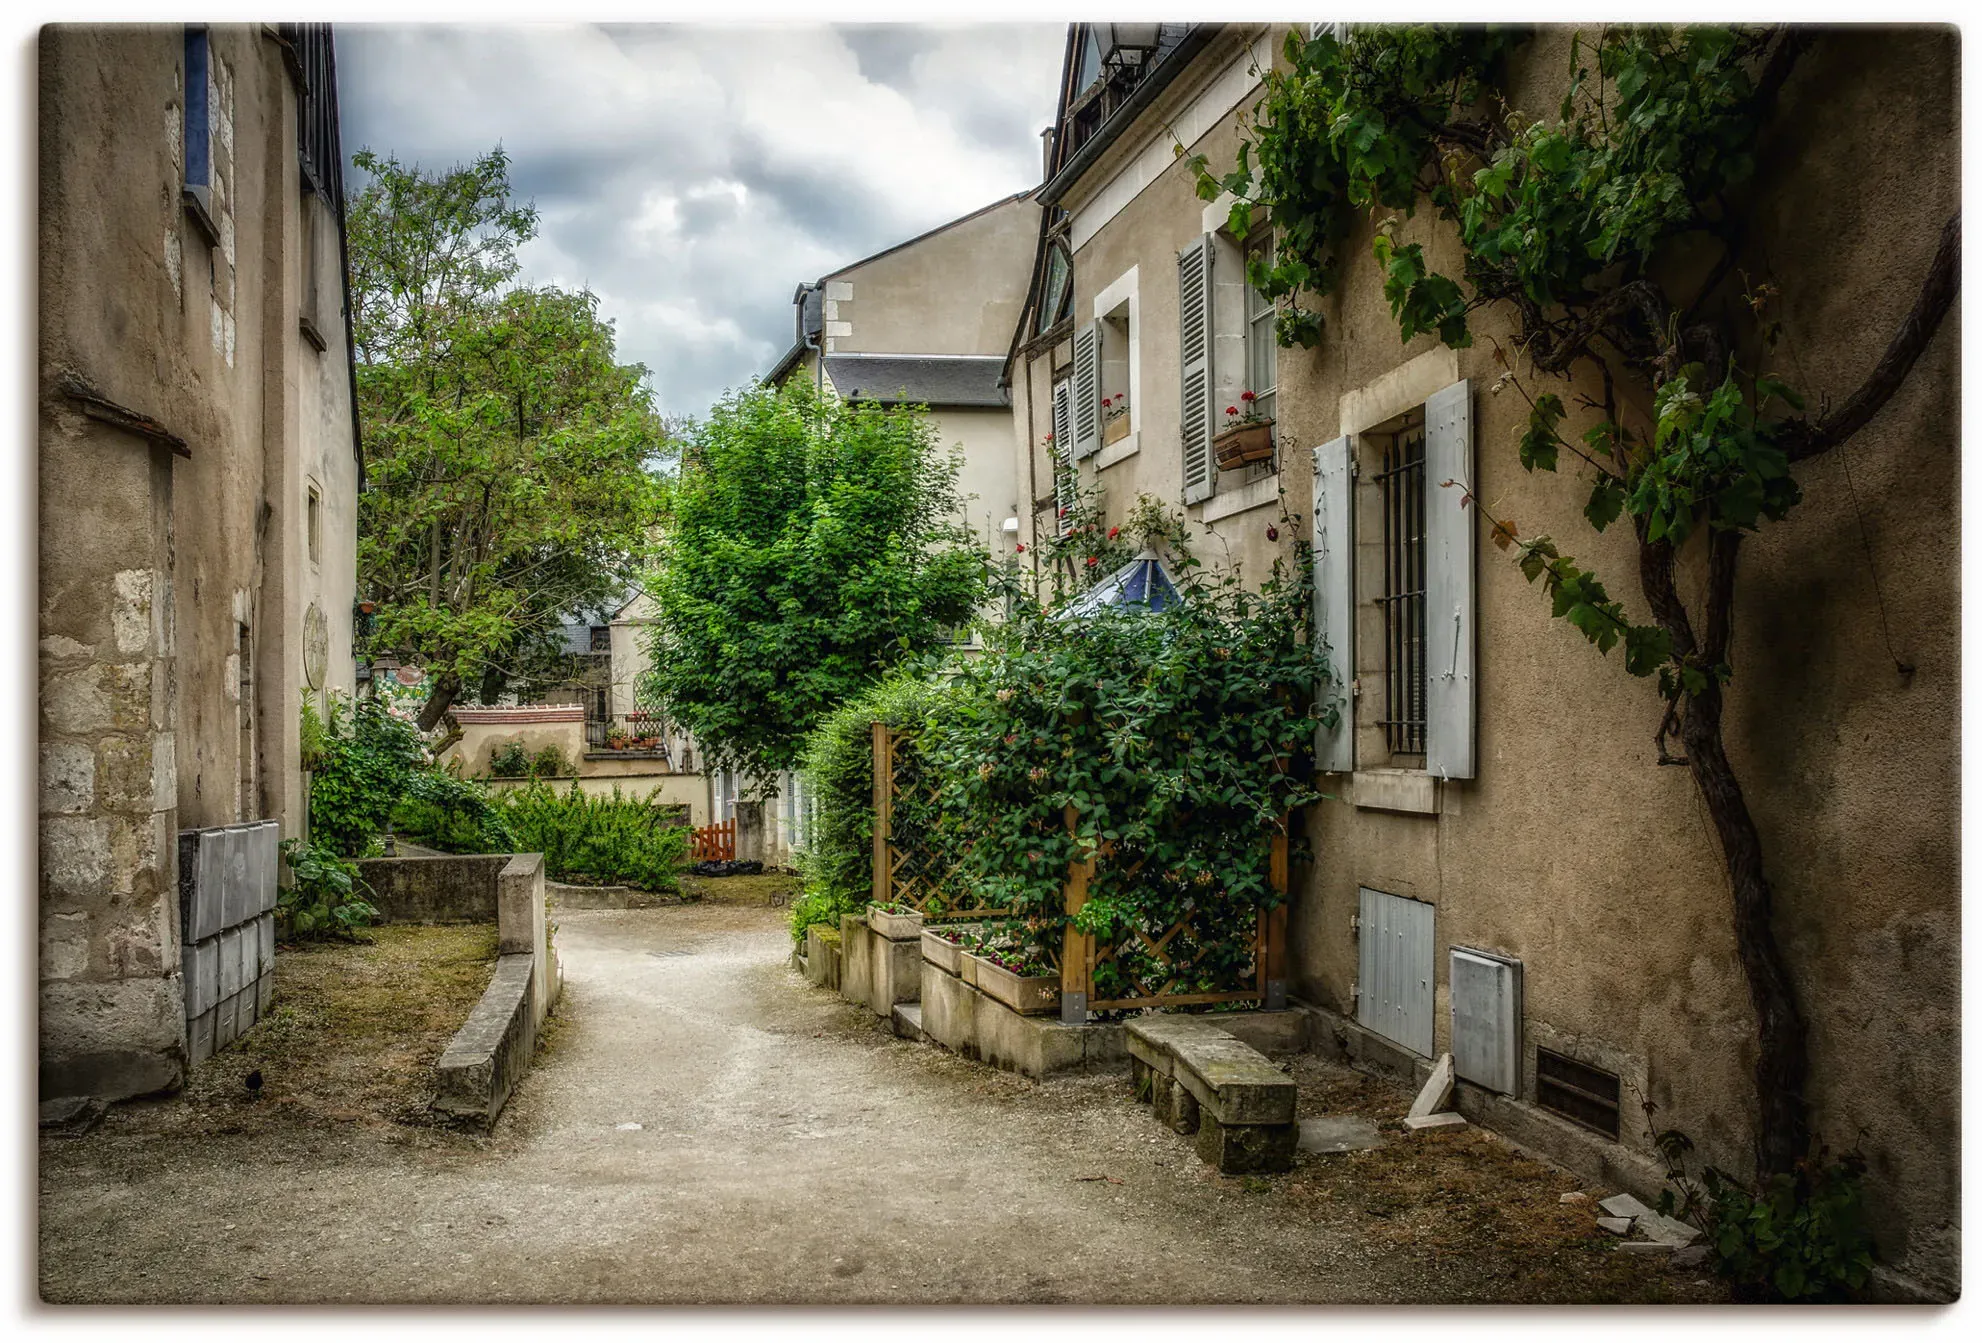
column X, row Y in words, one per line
column 1247, row 436
column 1114, row 417
column 942, row 946
column 1009, row 978
column 616, row 738
column 895, row 921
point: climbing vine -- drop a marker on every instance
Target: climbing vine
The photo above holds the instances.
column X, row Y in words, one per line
column 1564, row 221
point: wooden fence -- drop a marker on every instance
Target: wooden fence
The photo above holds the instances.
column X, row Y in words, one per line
column 1154, row 967
column 713, row 843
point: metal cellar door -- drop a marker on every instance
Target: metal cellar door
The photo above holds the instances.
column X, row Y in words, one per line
column 1394, row 969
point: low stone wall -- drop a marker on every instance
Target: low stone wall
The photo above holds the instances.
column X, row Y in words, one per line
column 822, row 956
column 451, row 888
column 876, row 972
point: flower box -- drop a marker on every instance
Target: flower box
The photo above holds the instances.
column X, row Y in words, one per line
column 1244, row 444
column 894, row 927
column 1028, row 995
column 1115, row 430
column 942, row 953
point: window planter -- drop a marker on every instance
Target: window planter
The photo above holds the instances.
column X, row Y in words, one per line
column 942, row 953
column 1243, row 445
column 1028, row 995
column 894, row 927
column 1115, row 430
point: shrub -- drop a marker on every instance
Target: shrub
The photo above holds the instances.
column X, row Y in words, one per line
column 361, row 770
column 445, row 811
column 611, row 840
column 838, row 764
column 325, row 897
column 509, row 760
column 550, row 763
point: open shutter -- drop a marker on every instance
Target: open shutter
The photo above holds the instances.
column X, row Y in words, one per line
column 1194, row 354
column 1087, row 390
column 1449, row 606
column 1063, row 454
column 1335, row 597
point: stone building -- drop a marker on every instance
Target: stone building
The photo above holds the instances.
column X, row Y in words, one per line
column 1537, row 877
column 199, row 476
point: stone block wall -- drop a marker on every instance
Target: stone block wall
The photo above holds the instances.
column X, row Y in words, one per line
column 227, row 892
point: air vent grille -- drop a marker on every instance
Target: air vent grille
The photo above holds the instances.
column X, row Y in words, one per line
column 1577, row 1091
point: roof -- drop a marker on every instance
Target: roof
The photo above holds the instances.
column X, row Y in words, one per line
column 1176, row 51
column 920, row 379
column 1141, row 583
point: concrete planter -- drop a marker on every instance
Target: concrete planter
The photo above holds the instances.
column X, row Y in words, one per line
column 1028, row 995
column 894, row 927
column 941, row 953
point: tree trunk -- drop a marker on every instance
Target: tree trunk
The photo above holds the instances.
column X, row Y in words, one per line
column 1783, row 1064
column 446, row 686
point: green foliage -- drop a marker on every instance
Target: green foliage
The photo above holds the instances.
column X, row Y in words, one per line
column 614, row 840
column 550, row 763
column 364, row 763
column 1091, row 550
column 445, row 811
column 1802, row 1237
column 838, row 764
column 509, row 760
column 809, row 548
column 1181, row 739
column 325, row 897
column 506, row 448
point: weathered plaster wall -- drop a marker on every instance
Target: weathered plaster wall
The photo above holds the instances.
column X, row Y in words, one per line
column 151, row 563
column 957, row 291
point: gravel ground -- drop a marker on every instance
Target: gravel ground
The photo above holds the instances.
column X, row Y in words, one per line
column 703, row 1126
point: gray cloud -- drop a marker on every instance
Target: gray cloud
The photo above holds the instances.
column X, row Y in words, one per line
column 692, row 176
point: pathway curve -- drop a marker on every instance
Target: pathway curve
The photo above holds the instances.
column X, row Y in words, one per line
column 708, row 1128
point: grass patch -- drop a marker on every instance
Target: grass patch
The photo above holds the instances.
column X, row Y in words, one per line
column 355, row 1028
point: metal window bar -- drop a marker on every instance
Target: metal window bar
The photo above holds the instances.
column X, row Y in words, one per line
column 1402, row 482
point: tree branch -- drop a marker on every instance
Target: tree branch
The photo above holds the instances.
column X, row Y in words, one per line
column 1801, row 439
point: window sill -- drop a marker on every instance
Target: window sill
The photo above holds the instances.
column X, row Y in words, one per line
column 1253, row 494
column 1119, row 451
column 1411, row 790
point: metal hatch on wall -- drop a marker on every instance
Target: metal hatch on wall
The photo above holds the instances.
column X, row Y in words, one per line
column 1394, row 948
column 1486, row 1019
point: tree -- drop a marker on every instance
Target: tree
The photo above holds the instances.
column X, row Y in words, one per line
column 1569, row 223
column 507, row 451
column 810, row 545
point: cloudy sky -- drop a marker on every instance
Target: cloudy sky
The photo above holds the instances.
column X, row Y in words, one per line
column 692, row 177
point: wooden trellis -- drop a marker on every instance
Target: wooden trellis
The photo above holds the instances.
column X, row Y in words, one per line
column 909, row 867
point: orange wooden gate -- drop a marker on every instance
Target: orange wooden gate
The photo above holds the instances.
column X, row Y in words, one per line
column 714, row 843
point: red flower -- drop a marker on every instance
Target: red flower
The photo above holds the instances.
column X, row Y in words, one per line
column 1231, row 410
column 1113, row 532
column 1272, row 532
column 1247, row 396
column 1021, row 547
column 1094, row 559
column 1062, row 513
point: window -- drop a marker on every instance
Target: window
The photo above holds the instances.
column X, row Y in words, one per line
column 314, row 525
column 1400, row 496
column 1056, row 294
column 1394, row 600
column 198, row 186
column 309, row 319
column 1262, row 350
column 1104, row 371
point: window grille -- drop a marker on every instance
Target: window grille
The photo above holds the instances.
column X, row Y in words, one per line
column 1402, row 482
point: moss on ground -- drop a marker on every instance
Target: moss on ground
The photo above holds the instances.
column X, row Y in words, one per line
column 354, row 1031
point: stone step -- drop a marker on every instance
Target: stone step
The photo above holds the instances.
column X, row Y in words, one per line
column 906, row 1018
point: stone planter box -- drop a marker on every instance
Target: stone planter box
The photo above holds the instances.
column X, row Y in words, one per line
column 1243, row 445
column 1116, row 429
column 941, row 953
column 894, row 927
column 1028, row 995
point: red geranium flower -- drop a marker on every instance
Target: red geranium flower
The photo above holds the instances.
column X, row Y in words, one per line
column 1094, row 559
column 1247, row 396
column 1113, row 532
column 1231, row 410
column 1021, row 547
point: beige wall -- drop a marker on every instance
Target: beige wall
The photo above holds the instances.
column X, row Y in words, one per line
column 152, row 562
column 955, row 291
column 1573, row 850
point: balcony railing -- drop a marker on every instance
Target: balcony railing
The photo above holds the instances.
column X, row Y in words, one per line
column 644, row 734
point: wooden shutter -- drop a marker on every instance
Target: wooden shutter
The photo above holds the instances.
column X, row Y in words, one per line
column 1335, row 596
column 1194, row 356
column 1449, row 604
column 1063, row 454
column 1087, row 390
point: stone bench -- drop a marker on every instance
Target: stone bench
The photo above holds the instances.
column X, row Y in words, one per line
column 1201, row 1079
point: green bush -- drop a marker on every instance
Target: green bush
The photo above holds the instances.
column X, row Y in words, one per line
column 325, row 897
column 445, row 811
column 838, row 764
column 1801, row 1238
column 550, row 763
column 509, row 760
column 362, row 767
column 609, row 840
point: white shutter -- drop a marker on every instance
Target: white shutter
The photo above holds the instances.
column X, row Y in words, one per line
column 1194, row 356
column 1063, row 453
column 1449, row 605
column 1335, row 596
column 1087, row 390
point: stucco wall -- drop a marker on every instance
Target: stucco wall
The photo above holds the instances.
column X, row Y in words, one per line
column 152, row 563
column 957, row 291
column 1573, row 850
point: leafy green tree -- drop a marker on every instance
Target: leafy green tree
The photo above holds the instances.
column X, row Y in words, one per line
column 508, row 452
column 1567, row 222
column 810, row 545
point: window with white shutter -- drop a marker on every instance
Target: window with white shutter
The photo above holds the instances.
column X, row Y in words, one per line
column 1449, row 596
column 1335, row 596
column 1194, row 358
column 1063, row 454
column 1087, row 391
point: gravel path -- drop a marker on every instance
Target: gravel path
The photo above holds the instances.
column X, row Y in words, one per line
column 706, row 1127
